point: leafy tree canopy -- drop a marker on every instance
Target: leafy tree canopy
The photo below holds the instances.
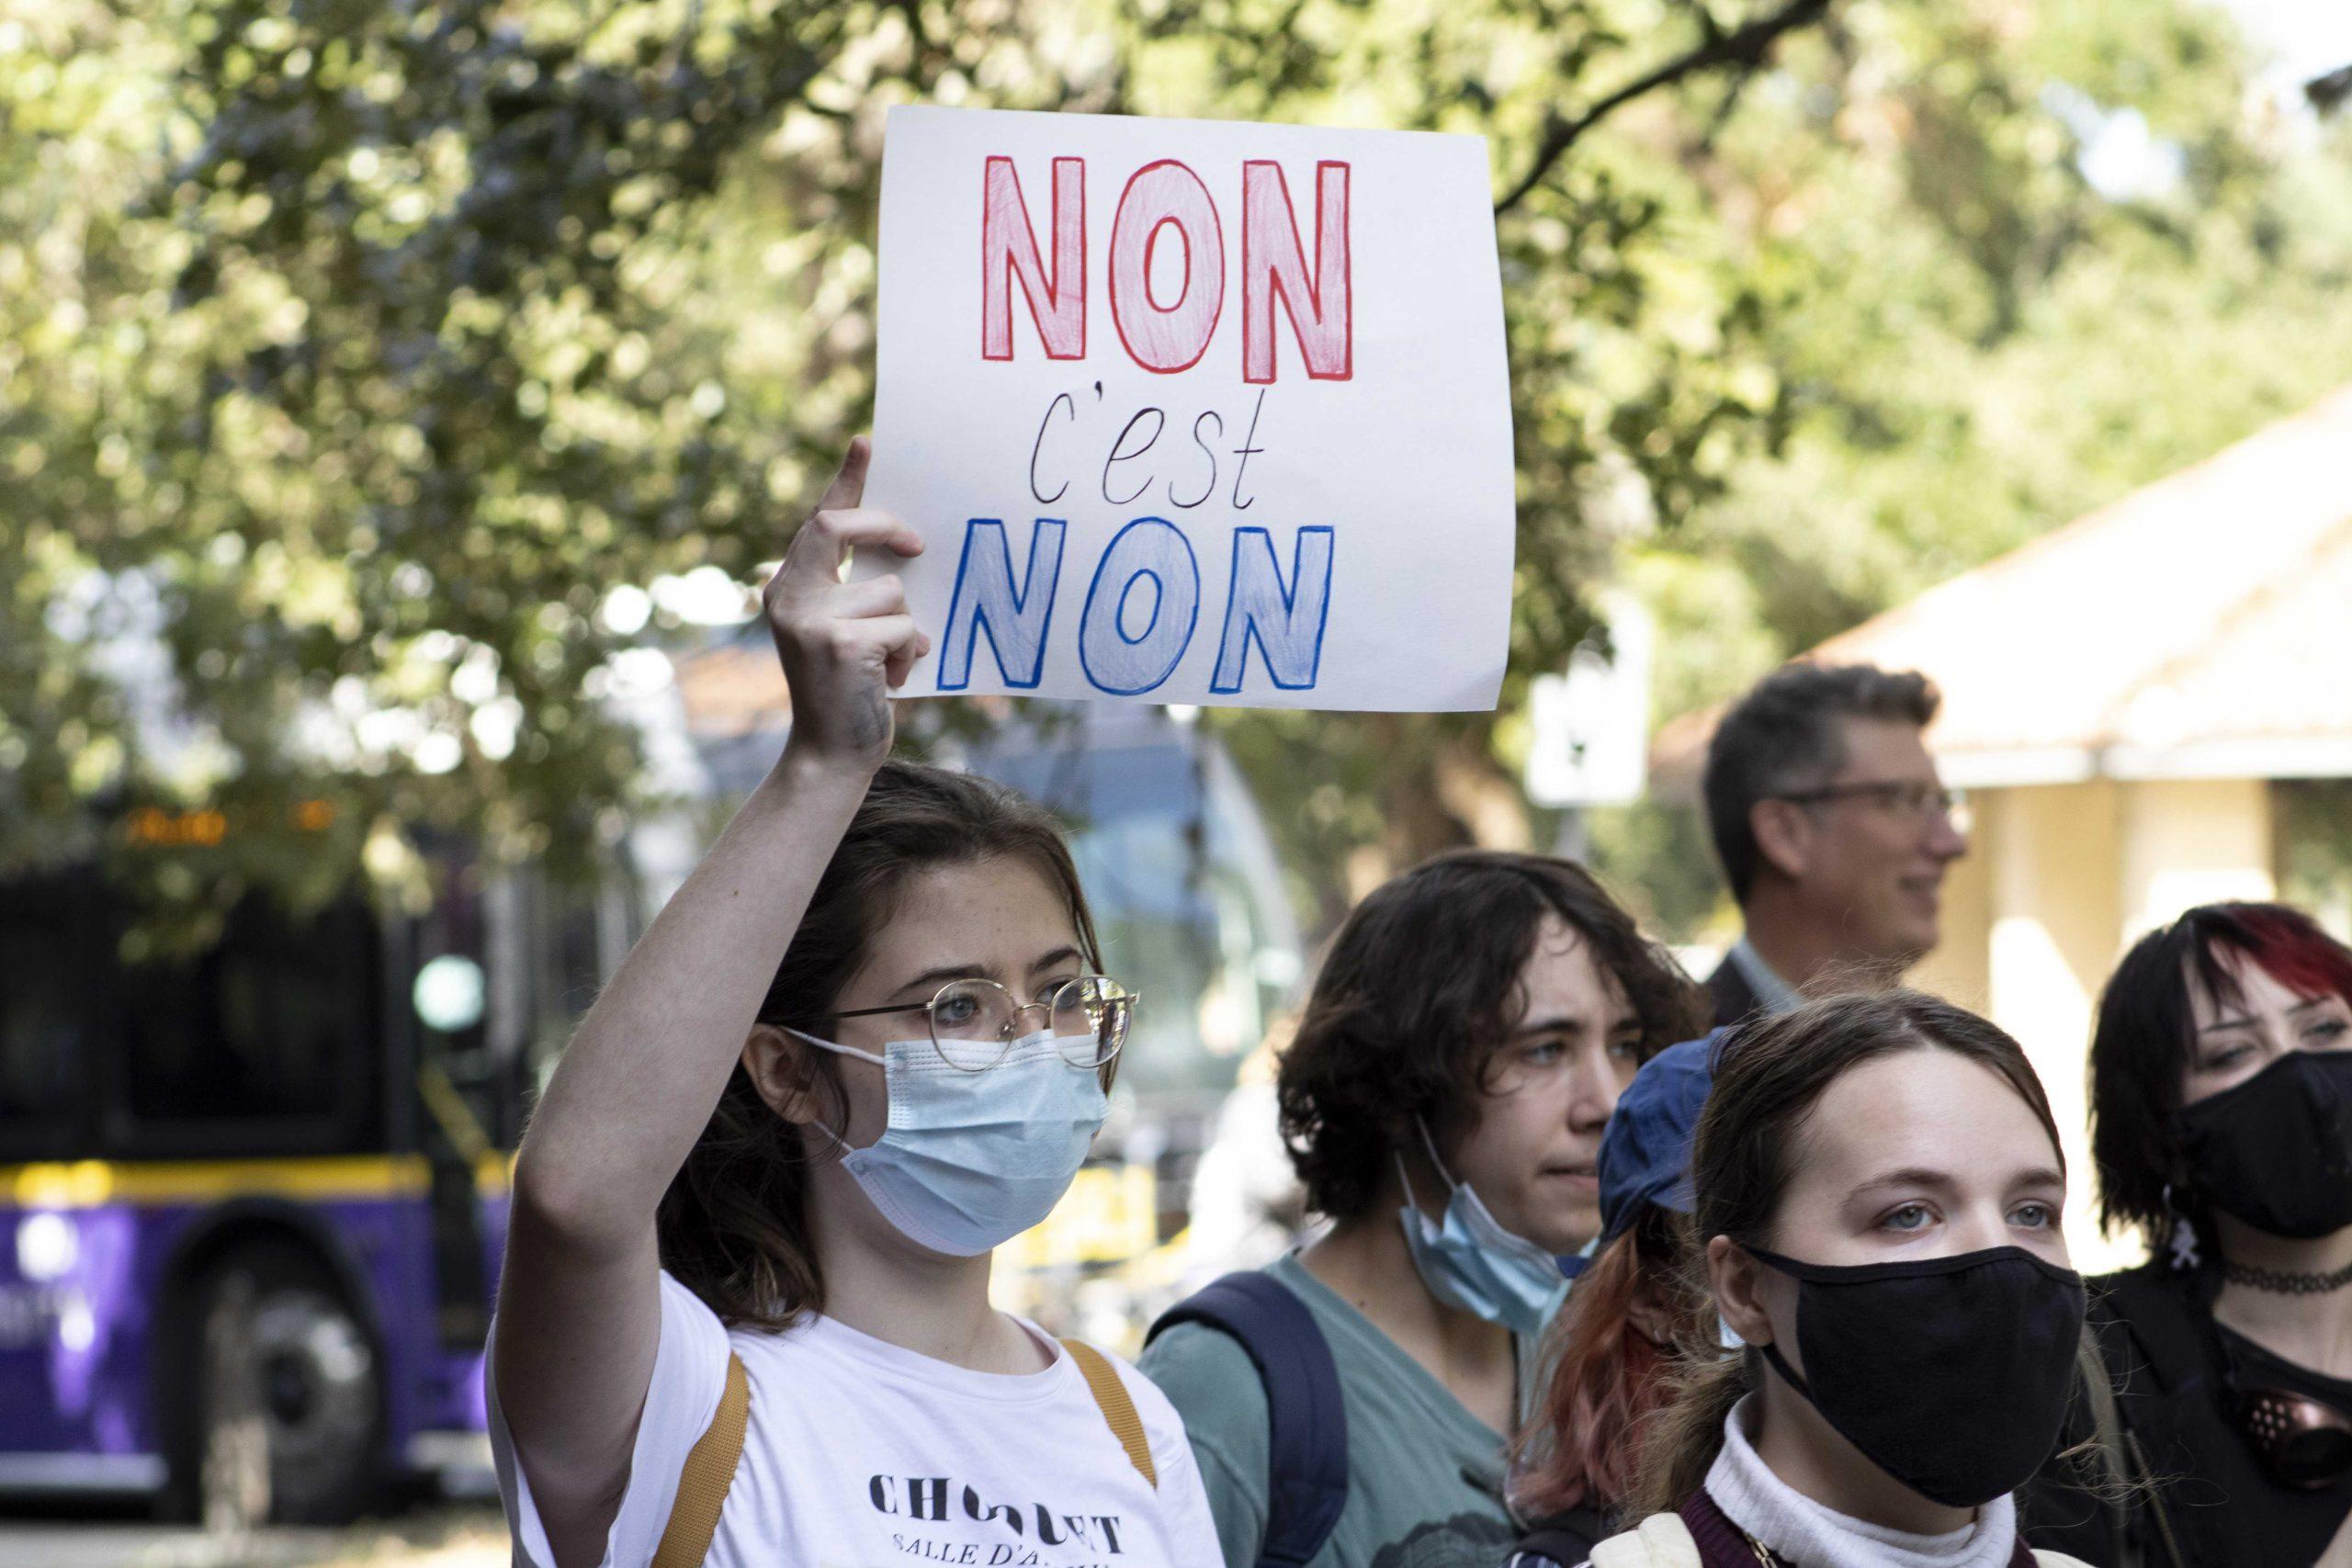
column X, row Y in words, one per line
column 360, row 364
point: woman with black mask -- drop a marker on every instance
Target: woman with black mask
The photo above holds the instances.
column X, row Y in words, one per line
column 1876, row 1185
column 2221, row 1124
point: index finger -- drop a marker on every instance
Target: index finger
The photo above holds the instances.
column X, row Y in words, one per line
column 849, row 485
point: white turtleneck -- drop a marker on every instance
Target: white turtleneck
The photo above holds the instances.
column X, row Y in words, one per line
column 1803, row 1533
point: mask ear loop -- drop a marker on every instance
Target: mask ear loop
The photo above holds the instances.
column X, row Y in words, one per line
column 842, row 1148
column 1769, row 1350
column 1435, row 1158
column 838, row 1050
column 1406, row 1176
column 1771, row 1353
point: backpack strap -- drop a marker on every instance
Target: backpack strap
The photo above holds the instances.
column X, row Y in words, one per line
column 1307, row 1435
column 1117, row 1406
column 1551, row 1546
column 709, row 1471
column 1662, row 1540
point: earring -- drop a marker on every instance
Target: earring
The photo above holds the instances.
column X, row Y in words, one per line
column 2184, row 1256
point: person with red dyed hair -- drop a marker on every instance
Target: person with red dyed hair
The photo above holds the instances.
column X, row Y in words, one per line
column 1611, row 1347
column 2221, row 1127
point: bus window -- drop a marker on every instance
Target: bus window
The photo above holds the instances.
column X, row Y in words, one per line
column 45, row 1008
column 567, row 953
column 271, row 1029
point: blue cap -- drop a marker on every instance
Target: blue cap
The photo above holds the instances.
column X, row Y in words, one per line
column 1646, row 1149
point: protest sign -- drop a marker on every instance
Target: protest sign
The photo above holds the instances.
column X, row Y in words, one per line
column 1190, row 412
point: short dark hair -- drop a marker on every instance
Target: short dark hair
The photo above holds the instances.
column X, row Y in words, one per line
column 1421, row 987
column 2141, row 1042
column 1788, row 733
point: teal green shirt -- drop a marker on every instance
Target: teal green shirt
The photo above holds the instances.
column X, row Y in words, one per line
column 1425, row 1477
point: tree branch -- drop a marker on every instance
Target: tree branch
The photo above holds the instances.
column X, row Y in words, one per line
column 1747, row 45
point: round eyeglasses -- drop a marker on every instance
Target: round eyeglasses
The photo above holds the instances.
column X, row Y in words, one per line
column 974, row 1022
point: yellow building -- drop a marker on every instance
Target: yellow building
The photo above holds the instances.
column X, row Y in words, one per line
column 2148, row 708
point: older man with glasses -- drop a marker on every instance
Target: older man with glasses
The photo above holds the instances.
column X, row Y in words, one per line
column 1833, row 829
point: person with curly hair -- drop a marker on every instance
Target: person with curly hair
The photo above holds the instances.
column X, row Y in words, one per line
column 1442, row 1101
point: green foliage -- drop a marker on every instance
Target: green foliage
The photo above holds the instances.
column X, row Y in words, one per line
column 362, row 352
column 2313, row 824
column 363, row 349
column 1973, row 344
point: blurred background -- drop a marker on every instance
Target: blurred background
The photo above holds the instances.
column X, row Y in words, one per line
column 399, row 403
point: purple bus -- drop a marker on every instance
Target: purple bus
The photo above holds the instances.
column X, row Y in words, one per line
column 253, row 1192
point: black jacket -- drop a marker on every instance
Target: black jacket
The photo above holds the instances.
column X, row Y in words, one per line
column 2211, row 1504
column 1729, row 990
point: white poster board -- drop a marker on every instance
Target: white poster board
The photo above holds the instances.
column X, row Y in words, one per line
column 1190, row 412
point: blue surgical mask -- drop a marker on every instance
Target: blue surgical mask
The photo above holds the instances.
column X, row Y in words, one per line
column 970, row 1160
column 1471, row 1262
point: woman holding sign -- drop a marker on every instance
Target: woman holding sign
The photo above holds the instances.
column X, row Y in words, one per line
column 744, row 1313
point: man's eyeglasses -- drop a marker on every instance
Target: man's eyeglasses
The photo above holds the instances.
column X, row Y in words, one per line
column 1918, row 797
column 974, row 1022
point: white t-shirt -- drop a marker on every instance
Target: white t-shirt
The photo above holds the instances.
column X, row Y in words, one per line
column 859, row 1454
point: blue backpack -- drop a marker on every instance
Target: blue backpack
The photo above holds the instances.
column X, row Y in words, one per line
column 1306, row 1454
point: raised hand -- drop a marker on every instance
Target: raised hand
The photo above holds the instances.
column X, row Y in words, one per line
column 845, row 646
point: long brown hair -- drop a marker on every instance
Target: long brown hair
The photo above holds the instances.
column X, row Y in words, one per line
column 733, row 1225
column 1770, row 1075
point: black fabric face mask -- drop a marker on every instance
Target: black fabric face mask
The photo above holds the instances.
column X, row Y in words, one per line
column 2276, row 1151
column 1950, row 1374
